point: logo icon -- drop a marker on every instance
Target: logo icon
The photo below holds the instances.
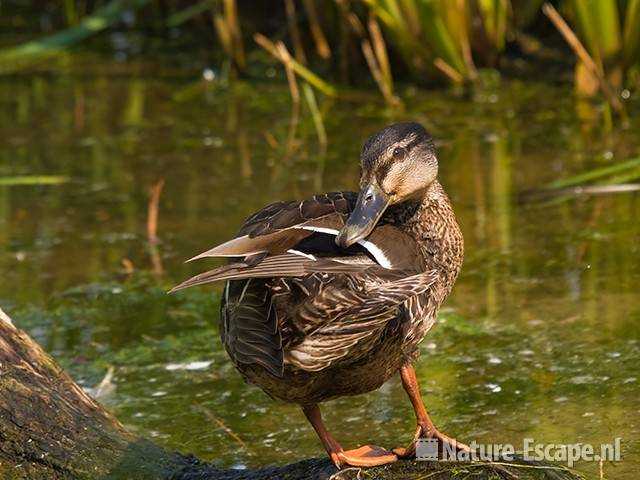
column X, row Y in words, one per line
column 427, row 449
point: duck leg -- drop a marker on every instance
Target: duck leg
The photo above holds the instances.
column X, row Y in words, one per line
column 365, row 456
column 425, row 429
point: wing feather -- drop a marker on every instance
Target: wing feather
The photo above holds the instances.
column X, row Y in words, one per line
column 290, row 285
column 287, row 265
column 249, row 325
column 359, row 317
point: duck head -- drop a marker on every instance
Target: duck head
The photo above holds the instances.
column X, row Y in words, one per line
column 399, row 164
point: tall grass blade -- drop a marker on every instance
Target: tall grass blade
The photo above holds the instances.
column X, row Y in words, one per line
column 317, row 82
column 582, row 54
column 32, row 180
column 182, row 16
column 375, row 54
column 380, row 49
column 438, row 36
column 403, row 35
column 494, row 16
column 448, row 70
column 294, row 30
column 462, row 33
column 385, row 16
column 222, row 31
column 430, row 35
column 599, row 23
column 631, row 36
column 295, row 93
column 14, row 58
column 594, row 174
column 318, row 123
column 319, row 38
column 376, row 72
column 233, row 25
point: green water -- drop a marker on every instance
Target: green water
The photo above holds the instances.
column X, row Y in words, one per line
column 539, row 339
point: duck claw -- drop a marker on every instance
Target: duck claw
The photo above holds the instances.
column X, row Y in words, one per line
column 429, row 432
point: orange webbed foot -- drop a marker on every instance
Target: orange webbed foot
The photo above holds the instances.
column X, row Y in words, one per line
column 365, row 456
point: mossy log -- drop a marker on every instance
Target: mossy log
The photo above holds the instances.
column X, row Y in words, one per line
column 51, row 429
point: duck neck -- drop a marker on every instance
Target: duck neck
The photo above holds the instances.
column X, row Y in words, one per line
column 432, row 222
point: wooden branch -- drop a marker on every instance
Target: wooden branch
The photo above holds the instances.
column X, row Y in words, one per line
column 51, row 429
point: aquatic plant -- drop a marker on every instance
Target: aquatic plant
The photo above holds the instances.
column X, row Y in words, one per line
column 426, row 41
column 29, row 52
column 610, row 31
column 606, row 44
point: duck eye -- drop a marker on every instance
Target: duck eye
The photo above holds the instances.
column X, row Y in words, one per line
column 398, row 153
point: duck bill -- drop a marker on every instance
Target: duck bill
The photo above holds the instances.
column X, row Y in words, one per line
column 371, row 204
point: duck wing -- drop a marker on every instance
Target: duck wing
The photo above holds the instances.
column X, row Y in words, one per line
column 321, row 329
column 336, row 321
column 290, row 288
column 298, row 238
column 282, row 225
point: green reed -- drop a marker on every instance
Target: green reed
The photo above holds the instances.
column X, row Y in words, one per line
column 423, row 41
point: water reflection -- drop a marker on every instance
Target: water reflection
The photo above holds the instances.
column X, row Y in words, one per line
column 540, row 337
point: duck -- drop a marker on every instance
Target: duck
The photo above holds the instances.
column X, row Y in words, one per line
column 331, row 296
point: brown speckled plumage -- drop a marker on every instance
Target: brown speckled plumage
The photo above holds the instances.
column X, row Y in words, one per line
column 368, row 364
column 308, row 321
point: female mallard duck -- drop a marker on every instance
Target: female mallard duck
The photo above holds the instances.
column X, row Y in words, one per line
column 331, row 296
